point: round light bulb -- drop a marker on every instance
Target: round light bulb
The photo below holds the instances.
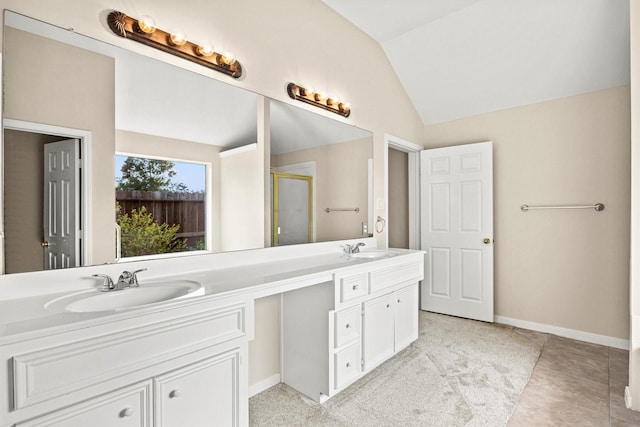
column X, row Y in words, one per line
column 228, row 58
column 178, row 38
column 320, row 96
column 205, row 49
column 344, row 106
column 146, row 24
column 307, row 91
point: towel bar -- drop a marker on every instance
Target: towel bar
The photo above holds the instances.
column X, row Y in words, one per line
column 599, row 207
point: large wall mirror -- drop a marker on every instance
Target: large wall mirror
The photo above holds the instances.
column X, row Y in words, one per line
column 76, row 109
column 321, row 177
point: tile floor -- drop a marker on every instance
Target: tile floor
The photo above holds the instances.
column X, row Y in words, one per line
column 576, row 384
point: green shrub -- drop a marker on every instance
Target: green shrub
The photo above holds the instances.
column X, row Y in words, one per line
column 142, row 235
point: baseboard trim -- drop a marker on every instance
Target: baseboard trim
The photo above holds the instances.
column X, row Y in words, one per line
column 627, row 397
column 564, row 332
column 263, row 385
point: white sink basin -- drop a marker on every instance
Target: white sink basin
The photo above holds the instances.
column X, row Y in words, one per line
column 94, row 300
column 374, row 253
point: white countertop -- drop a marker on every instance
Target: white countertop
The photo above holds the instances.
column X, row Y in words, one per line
column 27, row 317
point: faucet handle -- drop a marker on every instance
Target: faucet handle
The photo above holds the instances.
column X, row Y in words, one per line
column 134, row 278
column 347, row 248
column 107, row 284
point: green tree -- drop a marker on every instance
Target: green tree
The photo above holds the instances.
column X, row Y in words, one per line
column 142, row 235
column 149, row 175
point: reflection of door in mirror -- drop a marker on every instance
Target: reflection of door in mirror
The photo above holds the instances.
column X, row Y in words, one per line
column 24, row 202
column 70, row 92
column 61, row 188
column 292, row 209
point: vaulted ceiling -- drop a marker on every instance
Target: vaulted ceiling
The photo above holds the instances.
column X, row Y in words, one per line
column 459, row 58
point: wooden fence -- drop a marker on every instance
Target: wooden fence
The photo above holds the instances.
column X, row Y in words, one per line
column 185, row 209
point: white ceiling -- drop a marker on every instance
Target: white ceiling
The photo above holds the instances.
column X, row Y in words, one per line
column 459, row 58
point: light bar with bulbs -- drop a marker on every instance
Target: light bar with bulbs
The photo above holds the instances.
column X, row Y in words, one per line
column 144, row 31
column 318, row 99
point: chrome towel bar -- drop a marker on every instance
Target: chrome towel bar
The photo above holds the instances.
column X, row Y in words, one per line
column 599, row 207
column 342, row 209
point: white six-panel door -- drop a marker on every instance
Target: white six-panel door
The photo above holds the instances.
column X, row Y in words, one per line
column 457, row 230
column 61, row 204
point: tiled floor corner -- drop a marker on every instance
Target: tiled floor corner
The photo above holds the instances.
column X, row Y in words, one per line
column 576, row 384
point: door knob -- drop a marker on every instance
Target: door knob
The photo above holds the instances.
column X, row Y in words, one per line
column 44, row 244
column 486, row 241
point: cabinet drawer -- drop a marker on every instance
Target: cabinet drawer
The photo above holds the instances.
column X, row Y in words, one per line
column 56, row 371
column 394, row 275
column 347, row 366
column 353, row 286
column 347, row 326
column 128, row 407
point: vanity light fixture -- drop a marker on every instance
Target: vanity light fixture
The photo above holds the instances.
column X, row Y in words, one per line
column 318, row 99
column 144, row 31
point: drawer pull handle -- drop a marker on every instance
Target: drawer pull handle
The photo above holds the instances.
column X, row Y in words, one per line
column 348, row 365
column 388, row 305
column 398, row 300
column 174, row 393
column 355, row 287
column 126, row 412
column 348, row 325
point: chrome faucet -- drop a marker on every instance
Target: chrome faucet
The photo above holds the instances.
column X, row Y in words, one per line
column 129, row 279
column 352, row 249
column 126, row 280
column 108, row 284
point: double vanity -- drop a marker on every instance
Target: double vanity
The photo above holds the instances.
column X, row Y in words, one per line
column 174, row 351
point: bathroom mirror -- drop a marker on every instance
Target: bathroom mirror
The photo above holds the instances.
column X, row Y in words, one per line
column 113, row 101
column 321, row 177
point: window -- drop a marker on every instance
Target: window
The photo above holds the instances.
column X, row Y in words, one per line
column 160, row 206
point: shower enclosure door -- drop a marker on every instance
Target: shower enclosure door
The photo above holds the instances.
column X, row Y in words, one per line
column 292, row 209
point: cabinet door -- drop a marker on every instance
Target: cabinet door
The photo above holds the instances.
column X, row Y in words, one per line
column 377, row 330
column 406, row 313
column 128, row 407
column 203, row 394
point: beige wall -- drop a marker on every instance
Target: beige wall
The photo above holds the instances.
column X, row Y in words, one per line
column 242, row 200
column 568, row 269
column 336, row 166
column 398, row 199
column 84, row 89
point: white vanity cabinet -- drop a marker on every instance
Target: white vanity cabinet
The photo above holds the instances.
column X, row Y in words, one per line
column 389, row 324
column 182, row 367
column 336, row 332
